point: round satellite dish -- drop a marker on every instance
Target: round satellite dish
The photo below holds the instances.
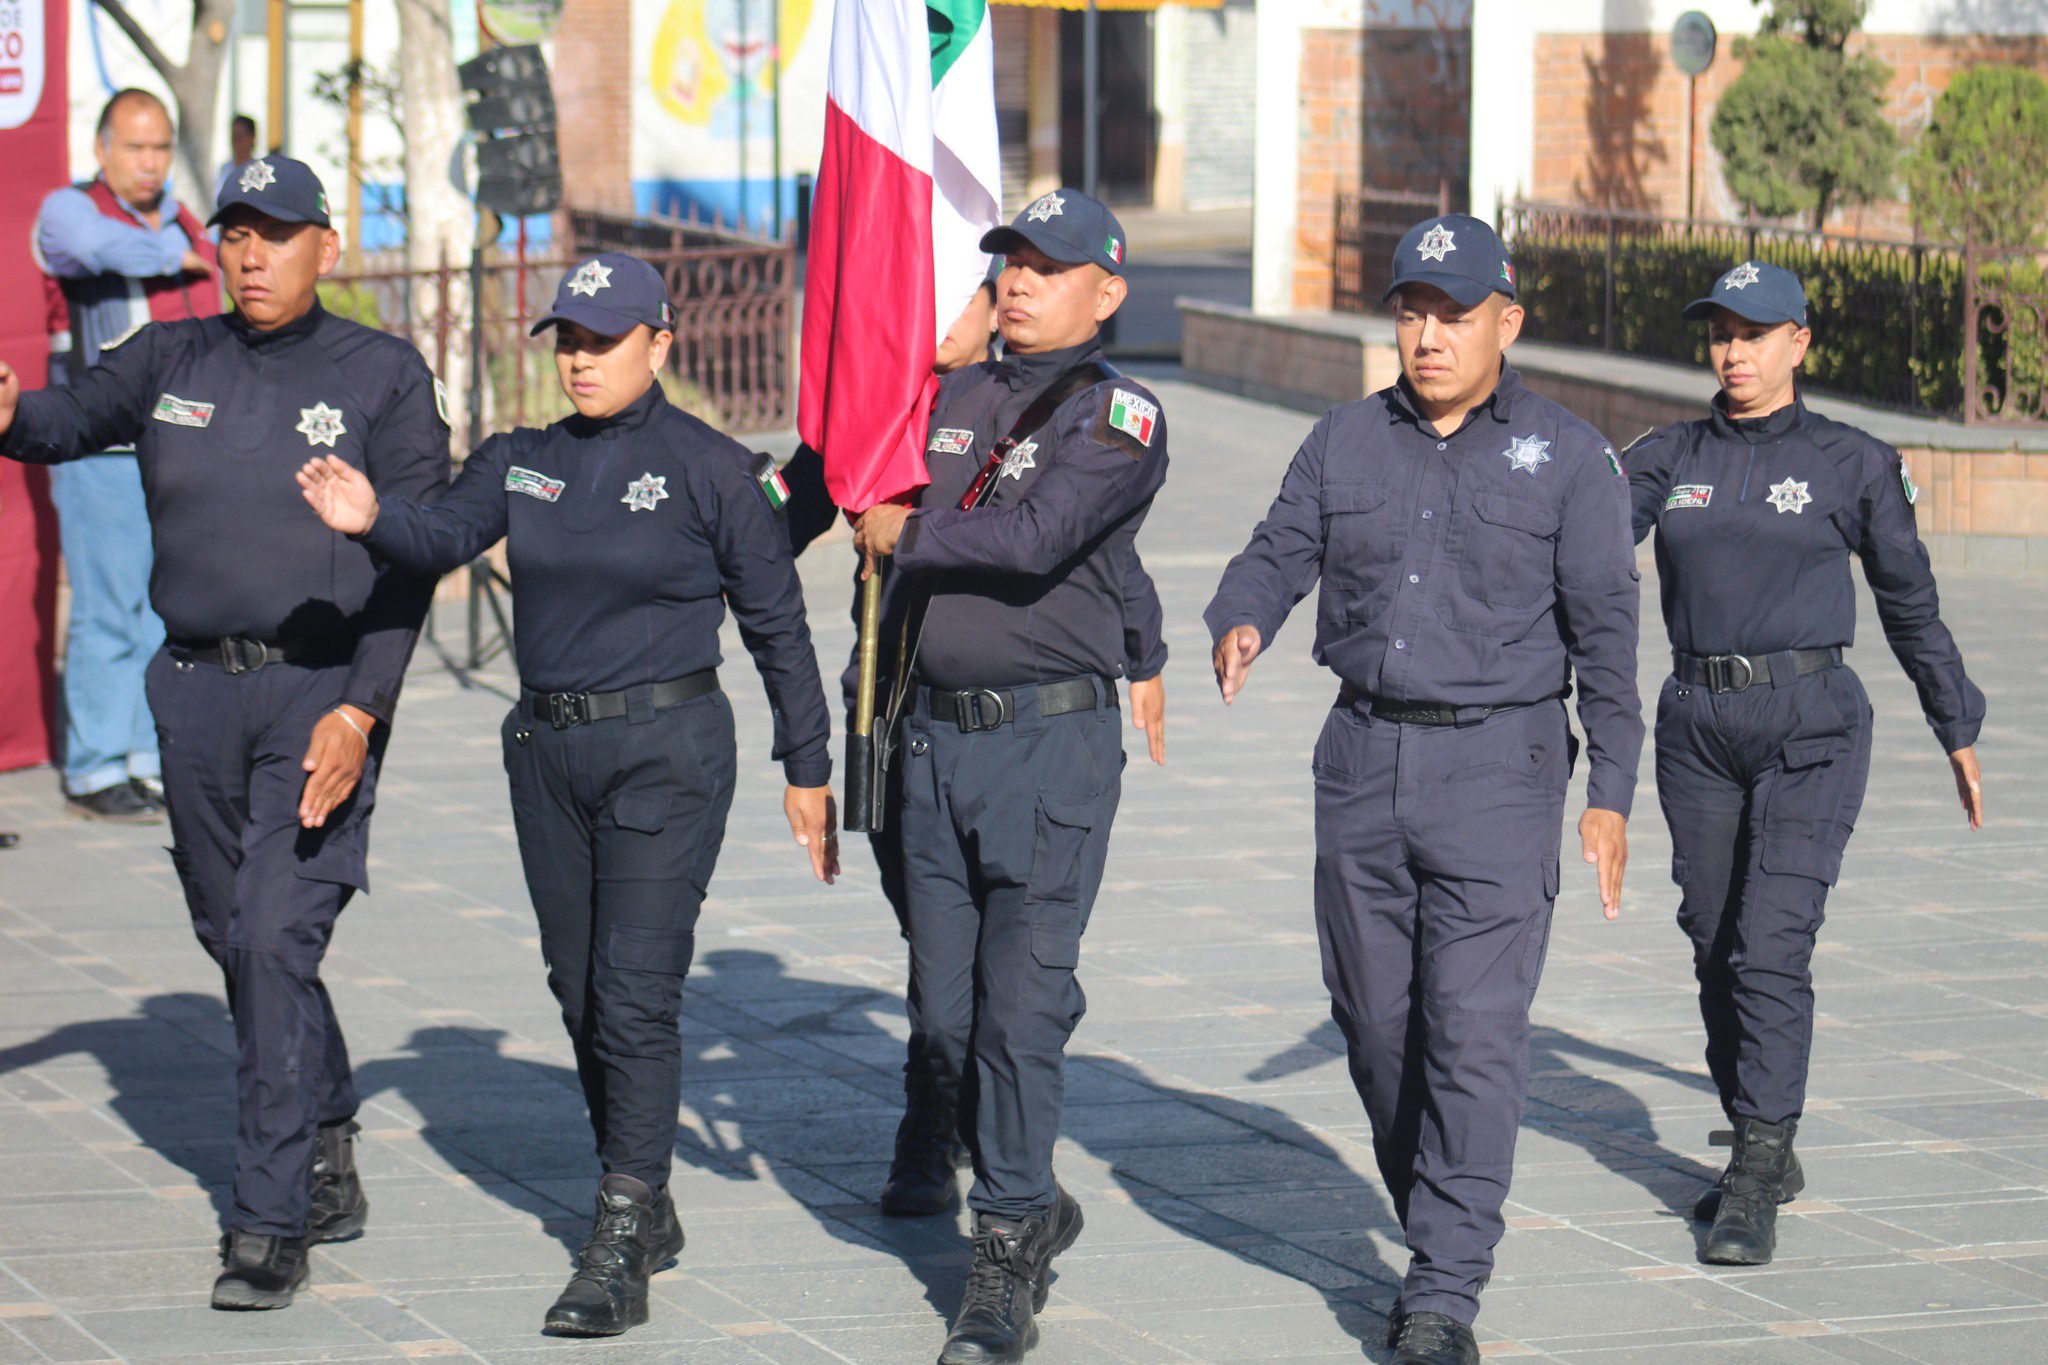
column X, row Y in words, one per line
column 1693, row 40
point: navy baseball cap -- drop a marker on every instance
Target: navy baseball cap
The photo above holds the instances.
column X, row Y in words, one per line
column 1068, row 226
column 276, row 187
column 1456, row 253
column 611, row 294
column 1756, row 291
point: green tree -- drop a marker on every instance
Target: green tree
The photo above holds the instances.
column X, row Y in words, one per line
column 1980, row 171
column 1802, row 129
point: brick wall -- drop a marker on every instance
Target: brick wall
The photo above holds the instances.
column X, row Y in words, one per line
column 1610, row 118
column 1380, row 106
column 594, row 106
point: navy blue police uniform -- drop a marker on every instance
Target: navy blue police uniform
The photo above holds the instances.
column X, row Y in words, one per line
column 627, row 538
column 925, row 1138
column 1466, row 579
column 1011, row 753
column 1763, row 732
column 273, row 622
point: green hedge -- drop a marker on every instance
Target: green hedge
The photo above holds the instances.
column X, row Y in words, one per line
column 1879, row 333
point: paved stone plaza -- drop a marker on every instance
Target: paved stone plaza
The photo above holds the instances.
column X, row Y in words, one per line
column 1212, row 1133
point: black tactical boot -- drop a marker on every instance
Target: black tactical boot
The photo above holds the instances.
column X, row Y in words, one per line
column 928, row 1151
column 340, row 1208
column 1709, row 1203
column 260, row 1271
column 1005, row 1288
column 1745, row 1230
column 1065, row 1227
column 1430, row 1339
column 636, row 1233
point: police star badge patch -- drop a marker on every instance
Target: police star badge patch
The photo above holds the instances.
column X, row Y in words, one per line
column 1018, row 460
column 1790, row 496
column 590, row 277
column 320, row 425
column 1525, row 453
column 257, row 176
column 1741, row 277
column 1048, row 207
column 1436, row 243
column 645, row 491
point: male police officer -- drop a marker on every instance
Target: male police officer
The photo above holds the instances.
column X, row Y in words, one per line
column 922, row 1176
column 275, row 689
column 1012, row 749
column 1473, row 546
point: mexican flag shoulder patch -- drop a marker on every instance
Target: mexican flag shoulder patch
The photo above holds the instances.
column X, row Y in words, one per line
column 1134, row 415
column 769, row 480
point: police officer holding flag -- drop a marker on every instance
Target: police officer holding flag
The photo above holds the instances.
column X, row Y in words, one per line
column 275, row 692
column 1763, row 731
column 1471, row 541
column 1042, row 467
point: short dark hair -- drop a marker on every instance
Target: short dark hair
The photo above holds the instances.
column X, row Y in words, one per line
column 129, row 95
column 242, row 122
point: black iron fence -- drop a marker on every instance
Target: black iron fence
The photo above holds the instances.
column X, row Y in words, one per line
column 1909, row 325
column 1369, row 225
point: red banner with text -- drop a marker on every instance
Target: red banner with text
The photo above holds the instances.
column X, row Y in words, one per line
column 34, row 110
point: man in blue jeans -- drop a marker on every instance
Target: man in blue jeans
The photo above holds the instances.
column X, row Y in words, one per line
column 122, row 252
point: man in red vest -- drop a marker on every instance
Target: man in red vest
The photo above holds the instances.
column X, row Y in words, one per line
column 118, row 252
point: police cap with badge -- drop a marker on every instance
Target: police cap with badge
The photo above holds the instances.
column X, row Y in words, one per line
column 276, row 187
column 611, row 294
column 1066, row 226
column 1456, row 253
column 1755, row 292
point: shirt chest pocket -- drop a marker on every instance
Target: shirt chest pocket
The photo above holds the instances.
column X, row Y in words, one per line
column 1358, row 535
column 1508, row 552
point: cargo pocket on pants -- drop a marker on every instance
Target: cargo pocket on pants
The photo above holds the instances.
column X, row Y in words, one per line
column 644, row 811
column 1802, row 836
column 648, row 948
column 1060, row 841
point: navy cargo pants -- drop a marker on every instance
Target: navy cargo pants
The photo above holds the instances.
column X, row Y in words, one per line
column 1436, row 869
column 1761, row 789
column 264, row 894
column 1005, row 833
column 619, row 824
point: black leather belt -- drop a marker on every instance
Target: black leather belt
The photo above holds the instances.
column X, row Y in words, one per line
column 985, row 708
column 1738, row 672
column 1426, row 713
column 240, row 654
column 565, row 709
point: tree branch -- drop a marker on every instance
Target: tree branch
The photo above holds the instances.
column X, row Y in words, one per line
column 144, row 44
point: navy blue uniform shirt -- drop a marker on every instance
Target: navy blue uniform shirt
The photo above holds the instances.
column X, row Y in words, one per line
column 810, row 514
column 1484, row 568
column 1755, row 524
column 1031, row 587
column 627, row 537
column 221, row 417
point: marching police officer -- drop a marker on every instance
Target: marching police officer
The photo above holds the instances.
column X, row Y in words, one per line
column 1042, row 469
column 921, row 1179
column 629, row 528
column 1472, row 544
column 274, row 693
column 1763, row 732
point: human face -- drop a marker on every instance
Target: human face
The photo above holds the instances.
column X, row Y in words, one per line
column 966, row 340
column 135, row 153
column 242, row 142
column 272, row 270
column 1451, row 354
column 1046, row 305
column 1755, row 361
column 606, row 375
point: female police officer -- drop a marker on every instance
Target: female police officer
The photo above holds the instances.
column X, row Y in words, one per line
column 627, row 526
column 1763, row 734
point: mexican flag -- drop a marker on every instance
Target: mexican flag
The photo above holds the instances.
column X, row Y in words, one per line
column 909, row 180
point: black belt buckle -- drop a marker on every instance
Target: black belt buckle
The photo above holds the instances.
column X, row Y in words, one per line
column 566, row 709
column 1721, row 675
column 981, row 710
column 239, row 655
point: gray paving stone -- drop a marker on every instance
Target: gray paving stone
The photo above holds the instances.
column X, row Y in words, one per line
column 1234, row 1210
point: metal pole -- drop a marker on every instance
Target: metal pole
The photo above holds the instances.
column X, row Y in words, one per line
column 1692, row 113
column 355, row 135
column 861, row 787
column 275, row 110
column 742, row 96
column 775, row 121
column 1607, row 301
column 1091, row 112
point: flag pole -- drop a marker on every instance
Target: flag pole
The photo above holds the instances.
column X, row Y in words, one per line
column 861, row 786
